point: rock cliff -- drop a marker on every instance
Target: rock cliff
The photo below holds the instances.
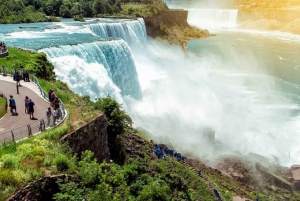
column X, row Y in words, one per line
column 172, row 26
column 92, row 136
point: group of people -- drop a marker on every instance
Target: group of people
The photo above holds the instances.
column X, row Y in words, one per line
column 29, row 106
column 25, row 76
column 56, row 114
column 55, row 104
column 2, row 47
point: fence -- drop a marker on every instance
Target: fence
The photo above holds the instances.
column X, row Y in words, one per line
column 35, row 127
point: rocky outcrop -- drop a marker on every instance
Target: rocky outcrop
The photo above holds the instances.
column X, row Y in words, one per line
column 92, row 136
column 172, row 26
column 42, row 189
column 295, row 170
column 272, row 178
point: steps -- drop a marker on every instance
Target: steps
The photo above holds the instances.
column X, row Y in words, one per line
column 206, row 181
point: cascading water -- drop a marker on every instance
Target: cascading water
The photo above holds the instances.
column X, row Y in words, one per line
column 113, row 55
column 207, row 18
column 132, row 31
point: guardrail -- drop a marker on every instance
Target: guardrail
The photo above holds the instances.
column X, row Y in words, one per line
column 33, row 128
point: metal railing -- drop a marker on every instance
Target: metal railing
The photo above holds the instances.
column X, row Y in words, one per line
column 28, row 130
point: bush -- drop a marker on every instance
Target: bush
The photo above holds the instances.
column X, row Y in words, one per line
column 7, row 178
column 62, row 163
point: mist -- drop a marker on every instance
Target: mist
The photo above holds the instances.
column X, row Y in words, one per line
column 183, row 95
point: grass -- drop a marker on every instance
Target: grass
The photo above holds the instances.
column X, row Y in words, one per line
column 132, row 6
column 16, row 57
column 2, row 107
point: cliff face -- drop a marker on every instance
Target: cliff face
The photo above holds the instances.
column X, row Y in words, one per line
column 93, row 137
column 172, row 26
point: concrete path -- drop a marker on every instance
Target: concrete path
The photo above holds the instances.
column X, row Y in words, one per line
column 8, row 87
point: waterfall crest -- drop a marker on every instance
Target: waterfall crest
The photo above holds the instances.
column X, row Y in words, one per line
column 132, row 31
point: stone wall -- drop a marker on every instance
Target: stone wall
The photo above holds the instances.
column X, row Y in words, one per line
column 92, row 136
column 42, row 189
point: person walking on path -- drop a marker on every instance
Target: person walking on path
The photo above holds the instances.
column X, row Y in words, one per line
column 55, row 116
column 48, row 114
column 31, row 109
column 26, row 101
column 12, row 105
column 17, row 77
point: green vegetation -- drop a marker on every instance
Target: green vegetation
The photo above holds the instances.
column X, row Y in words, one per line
column 34, row 62
column 2, row 107
column 26, row 11
column 79, row 18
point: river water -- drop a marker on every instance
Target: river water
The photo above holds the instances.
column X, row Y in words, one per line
column 241, row 84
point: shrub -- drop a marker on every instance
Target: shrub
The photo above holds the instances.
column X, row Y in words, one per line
column 10, row 161
column 62, row 163
column 7, row 178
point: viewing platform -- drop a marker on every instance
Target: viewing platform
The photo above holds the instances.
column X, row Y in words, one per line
column 4, row 53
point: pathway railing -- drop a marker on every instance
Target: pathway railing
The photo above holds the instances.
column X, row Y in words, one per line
column 28, row 130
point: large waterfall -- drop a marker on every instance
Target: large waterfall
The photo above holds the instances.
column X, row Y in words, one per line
column 213, row 18
column 73, row 62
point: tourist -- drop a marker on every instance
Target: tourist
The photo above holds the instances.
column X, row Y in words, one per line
column 53, row 96
column 26, row 76
column 49, row 95
column 12, row 105
column 26, row 101
column 55, row 116
column 56, row 103
column 17, row 78
column 48, row 114
column 31, row 108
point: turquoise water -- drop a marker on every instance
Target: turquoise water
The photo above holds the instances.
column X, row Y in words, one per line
column 266, row 53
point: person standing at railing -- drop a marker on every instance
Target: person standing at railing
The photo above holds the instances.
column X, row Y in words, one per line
column 52, row 96
column 31, row 109
column 48, row 114
column 55, row 116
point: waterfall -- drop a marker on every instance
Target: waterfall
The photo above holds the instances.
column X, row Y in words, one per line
column 113, row 55
column 213, row 18
column 132, row 31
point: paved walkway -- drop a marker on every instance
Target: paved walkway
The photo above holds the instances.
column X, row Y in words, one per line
column 8, row 87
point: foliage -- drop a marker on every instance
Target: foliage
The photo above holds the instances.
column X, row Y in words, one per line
column 79, row 18
column 26, row 11
column 118, row 120
column 69, row 191
column 2, row 107
column 35, row 62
